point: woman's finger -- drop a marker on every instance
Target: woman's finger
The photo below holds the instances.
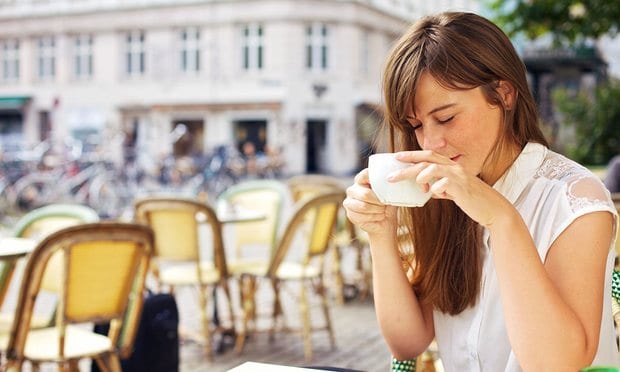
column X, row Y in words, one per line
column 439, row 188
column 362, row 177
column 410, row 172
column 360, row 218
column 430, row 173
column 363, row 206
column 422, row 156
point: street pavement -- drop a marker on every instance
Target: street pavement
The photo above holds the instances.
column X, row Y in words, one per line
column 359, row 344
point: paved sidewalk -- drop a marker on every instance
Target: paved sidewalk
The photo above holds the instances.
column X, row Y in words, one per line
column 359, row 344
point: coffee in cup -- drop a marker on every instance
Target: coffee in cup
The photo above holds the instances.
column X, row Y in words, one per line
column 405, row 193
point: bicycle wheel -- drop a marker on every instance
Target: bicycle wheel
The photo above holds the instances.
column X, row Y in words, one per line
column 104, row 196
column 33, row 191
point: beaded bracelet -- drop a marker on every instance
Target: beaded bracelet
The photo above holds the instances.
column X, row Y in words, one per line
column 402, row 365
column 615, row 285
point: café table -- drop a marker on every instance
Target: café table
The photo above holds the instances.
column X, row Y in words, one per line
column 12, row 249
column 229, row 215
column 264, row 367
column 239, row 215
column 236, row 215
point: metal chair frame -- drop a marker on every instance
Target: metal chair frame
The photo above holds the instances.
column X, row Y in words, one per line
column 315, row 218
column 93, row 265
column 203, row 274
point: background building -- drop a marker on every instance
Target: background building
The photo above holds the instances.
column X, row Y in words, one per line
column 293, row 74
column 302, row 76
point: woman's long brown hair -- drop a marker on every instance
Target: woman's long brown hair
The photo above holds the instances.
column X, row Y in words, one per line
column 461, row 51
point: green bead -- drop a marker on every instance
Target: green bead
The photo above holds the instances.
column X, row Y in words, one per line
column 403, row 365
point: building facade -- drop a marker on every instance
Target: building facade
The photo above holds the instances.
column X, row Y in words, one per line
column 302, row 76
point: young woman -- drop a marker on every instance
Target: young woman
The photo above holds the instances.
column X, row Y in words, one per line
column 512, row 257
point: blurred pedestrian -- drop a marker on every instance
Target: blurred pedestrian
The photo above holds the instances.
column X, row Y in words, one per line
column 250, row 158
column 274, row 162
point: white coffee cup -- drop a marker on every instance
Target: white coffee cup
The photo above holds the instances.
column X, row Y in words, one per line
column 405, row 193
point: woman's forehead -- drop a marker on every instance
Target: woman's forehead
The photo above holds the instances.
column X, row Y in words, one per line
column 431, row 96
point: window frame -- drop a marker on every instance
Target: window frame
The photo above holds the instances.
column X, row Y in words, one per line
column 83, row 56
column 134, row 61
column 46, row 58
column 253, row 47
column 10, row 60
column 317, row 46
column 190, row 51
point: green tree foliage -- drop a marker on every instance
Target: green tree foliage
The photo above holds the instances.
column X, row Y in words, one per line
column 595, row 119
column 569, row 21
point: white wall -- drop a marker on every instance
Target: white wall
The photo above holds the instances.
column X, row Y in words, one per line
column 221, row 84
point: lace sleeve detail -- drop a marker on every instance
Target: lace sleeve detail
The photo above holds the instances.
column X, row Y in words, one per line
column 566, row 191
column 587, row 192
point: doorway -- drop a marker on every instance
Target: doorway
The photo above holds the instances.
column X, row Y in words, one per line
column 11, row 130
column 316, row 140
column 254, row 131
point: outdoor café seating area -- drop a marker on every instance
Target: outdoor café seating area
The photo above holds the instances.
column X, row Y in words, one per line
column 268, row 272
column 266, row 261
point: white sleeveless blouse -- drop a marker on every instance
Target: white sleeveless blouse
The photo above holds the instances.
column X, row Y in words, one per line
column 550, row 191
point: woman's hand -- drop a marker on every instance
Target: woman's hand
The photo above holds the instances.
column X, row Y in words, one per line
column 447, row 179
column 365, row 210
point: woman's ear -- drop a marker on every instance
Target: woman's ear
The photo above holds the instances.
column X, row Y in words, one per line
column 507, row 93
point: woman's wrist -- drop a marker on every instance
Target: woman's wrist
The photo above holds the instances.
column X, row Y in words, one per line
column 506, row 218
column 384, row 236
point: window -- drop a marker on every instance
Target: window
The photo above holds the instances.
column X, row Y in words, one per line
column 252, row 47
column 135, row 64
column 46, row 58
column 10, row 60
column 190, row 50
column 83, row 56
column 316, row 46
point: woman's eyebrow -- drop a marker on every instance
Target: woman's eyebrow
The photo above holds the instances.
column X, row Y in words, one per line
column 440, row 108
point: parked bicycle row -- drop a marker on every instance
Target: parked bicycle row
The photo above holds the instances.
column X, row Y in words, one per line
column 30, row 179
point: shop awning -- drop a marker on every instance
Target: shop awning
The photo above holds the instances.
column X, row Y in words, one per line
column 13, row 102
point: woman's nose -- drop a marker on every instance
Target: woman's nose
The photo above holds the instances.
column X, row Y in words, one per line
column 434, row 139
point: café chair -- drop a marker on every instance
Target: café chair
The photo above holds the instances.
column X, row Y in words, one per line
column 50, row 218
column 311, row 184
column 347, row 236
column 299, row 258
column 180, row 260
column 37, row 224
column 102, row 264
column 254, row 242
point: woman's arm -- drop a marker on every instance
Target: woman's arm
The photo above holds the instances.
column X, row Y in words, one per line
column 553, row 311
column 406, row 325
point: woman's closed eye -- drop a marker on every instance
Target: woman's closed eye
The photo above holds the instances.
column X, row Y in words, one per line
column 446, row 120
column 415, row 124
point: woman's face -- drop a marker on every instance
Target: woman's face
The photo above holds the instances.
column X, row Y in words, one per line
column 458, row 124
